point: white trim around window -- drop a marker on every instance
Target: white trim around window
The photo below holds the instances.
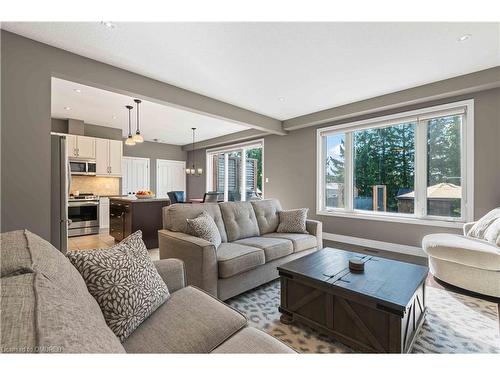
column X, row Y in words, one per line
column 419, row 117
column 238, row 147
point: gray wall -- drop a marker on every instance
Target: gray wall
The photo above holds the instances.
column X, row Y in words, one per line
column 196, row 185
column 154, row 151
column 61, row 126
column 26, row 70
column 151, row 150
column 290, row 165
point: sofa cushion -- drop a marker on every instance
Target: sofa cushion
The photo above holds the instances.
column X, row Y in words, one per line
column 233, row 258
column 203, row 226
column 274, row 248
column 239, row 220
column 16, row 256
column 174, row 216
column 462, row 250
column 252, row 341
column 266, row 212
column 492, row 234
column 300, row 241
column 172, row 272
column 293, row 221
column 478, row 230
column 22, row 251
column 191, row 321
column 37, row 315
column 124, row 281
column 18, row 313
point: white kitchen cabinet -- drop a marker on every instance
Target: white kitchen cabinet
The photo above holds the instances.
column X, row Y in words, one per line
column 104, row 213
column 71, row 146
column 109, row 155
column 80, row 147
column 86, row 147
column 115, row 157
column 101, row 157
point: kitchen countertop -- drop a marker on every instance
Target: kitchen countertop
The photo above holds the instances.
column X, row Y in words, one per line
column 135, row 200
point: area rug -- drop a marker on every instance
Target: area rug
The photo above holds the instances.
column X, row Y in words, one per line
column 454, row 323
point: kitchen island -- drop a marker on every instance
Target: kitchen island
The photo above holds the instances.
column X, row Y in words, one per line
column 128, row 215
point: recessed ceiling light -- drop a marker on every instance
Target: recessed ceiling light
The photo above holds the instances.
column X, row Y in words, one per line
column 464, row 37
column 77, row 90
column 67, row 108
column 113, row 117
column 108, row 24
column 281, row 99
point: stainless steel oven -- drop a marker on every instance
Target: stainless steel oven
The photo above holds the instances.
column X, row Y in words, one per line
column 83, row 167
column 83, row 213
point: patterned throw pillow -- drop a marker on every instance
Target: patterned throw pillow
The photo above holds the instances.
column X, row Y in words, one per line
column 204, row 227
column 293, row 221
column 124, row 282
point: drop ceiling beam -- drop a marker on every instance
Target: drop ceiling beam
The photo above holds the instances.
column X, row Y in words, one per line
column 465, row 84
column 69, row 66
column 226, row 139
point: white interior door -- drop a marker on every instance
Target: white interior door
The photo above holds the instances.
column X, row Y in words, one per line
column 170, row 176
column 135, row 175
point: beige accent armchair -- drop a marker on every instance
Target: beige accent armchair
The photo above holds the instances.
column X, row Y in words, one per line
column 465, row 262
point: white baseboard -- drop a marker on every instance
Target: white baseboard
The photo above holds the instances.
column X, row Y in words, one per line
column 387, row 246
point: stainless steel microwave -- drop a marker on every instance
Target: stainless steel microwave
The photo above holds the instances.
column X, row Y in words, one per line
column 83, row 167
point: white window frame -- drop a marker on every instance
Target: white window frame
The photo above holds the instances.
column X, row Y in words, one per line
column 238, row 147
column 419, row 116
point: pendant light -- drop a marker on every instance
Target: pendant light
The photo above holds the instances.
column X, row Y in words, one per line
column 137, row 136
column 130, row 141
column 193, row 171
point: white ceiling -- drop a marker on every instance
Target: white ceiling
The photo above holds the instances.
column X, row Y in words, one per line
column 167, row 124
column 311, row 66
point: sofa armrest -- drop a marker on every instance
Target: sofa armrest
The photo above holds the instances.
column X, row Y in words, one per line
column 172, row 272
column 198, row 255
column 315, row 228
column 467, row 227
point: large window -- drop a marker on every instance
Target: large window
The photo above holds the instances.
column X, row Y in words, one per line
column 235, row 172
column 413, row 167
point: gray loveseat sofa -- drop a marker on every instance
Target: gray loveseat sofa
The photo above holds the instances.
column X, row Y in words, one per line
column 250, row 252
column 47, row 308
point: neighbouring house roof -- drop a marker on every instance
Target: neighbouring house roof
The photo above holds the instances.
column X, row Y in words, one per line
column 332, row 185
column 443, row 190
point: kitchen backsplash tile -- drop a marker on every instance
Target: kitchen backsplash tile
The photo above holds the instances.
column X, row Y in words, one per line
column 96, row 185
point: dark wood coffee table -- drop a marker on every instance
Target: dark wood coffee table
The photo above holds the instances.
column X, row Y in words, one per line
column 379, row 310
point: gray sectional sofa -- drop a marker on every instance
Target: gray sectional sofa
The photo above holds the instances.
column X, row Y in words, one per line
column 46, row 308
column 251, row 249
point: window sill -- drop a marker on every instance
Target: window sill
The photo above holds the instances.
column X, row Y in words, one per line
column 392, row 218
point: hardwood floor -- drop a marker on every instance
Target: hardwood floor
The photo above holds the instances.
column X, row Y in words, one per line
column 100, row 241
column 94, row 241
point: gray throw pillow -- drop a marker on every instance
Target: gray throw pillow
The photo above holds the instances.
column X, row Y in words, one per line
column 124, row 282
column 293, row 221
column 204, row 227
